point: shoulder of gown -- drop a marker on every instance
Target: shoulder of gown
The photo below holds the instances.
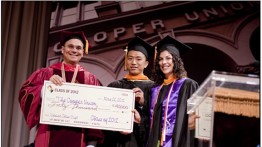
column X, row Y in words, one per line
column 30, row 95
column 190, row 86
column 117, row 83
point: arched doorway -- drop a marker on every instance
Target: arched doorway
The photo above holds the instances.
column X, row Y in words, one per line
column 202, row 59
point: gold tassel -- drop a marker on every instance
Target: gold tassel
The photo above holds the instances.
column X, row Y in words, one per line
column 86, row 48
column 161, row 142
column 154, row 62
column 125, row 66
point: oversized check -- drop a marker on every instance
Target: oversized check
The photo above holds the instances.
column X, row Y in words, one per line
column 87, row 106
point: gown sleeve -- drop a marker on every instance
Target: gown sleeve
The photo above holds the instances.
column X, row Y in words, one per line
column 182, row 136
column 91, row 79
column 30, row 96
column 145, row 112
column 115, row 84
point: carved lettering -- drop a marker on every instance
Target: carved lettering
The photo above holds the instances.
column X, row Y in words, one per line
column 118, row 32
column 138, row 28
column 237, row 6
column 211, row 11
column 100, row 37
column 193, row 17
column 223, row 9
column 157, row 24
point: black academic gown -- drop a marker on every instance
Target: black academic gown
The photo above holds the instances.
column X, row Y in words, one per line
column 181, row 134
column 139, row 136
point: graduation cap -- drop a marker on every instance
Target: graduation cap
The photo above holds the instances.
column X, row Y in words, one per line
column 173, row 44
column 138, row 44
column 66, row 35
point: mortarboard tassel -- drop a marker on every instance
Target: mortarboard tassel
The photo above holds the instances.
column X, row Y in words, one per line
column 125, row 66
column 154, row 58
column 86, row 48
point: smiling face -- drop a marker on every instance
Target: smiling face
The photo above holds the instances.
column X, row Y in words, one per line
column 73, row 51
column 166, row 63
column 136, row 62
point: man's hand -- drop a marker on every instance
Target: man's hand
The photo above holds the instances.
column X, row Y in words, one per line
column 137, row 117
column 57, row 80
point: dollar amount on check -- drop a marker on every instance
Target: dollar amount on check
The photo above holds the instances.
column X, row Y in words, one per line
column 87, row 106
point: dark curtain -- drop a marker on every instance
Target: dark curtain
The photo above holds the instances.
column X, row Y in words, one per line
column 24, row 33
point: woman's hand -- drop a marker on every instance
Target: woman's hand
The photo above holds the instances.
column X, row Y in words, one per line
column 191, row 121
column 139, row 95
column 57, row 80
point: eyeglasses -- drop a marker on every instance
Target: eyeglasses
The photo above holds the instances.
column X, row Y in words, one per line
column 71, row 47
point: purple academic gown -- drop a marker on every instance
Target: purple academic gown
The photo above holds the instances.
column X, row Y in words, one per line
column 176, row 122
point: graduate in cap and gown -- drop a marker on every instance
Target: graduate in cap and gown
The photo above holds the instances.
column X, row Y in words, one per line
column 168, row 103
column 139, row 62
column 73, row 44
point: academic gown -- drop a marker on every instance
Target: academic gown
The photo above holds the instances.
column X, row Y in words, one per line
column 30, row 103
column 139, row 136
column 177, row 118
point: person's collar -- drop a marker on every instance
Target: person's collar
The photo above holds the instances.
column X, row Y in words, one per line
column 169, row 80
column 137, row 77
column 67, row 67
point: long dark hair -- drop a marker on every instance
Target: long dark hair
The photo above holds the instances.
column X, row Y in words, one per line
column 178, row 70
